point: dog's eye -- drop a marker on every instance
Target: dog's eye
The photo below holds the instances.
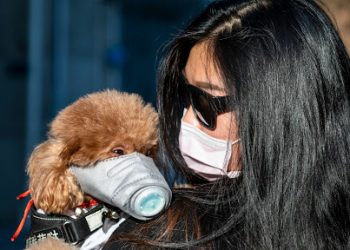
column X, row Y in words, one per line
column 118, row 151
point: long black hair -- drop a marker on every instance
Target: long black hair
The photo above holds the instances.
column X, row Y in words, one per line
column 290, row 73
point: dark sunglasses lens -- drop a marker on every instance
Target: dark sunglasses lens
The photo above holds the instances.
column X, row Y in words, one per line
column 203, row 110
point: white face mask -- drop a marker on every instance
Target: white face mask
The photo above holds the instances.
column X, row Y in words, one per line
column 205, row 155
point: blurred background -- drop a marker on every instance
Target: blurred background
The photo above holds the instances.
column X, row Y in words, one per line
column 54, row 51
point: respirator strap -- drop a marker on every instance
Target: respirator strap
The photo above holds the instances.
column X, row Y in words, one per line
column 71, row 230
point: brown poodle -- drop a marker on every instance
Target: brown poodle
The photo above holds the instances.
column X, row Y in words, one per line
column 95, row 127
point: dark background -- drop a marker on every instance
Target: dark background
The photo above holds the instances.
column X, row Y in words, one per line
column 54, row 51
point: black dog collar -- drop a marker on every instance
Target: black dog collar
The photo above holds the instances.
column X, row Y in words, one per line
column 73, row 231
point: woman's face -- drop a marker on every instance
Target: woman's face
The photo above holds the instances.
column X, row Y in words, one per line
column 201, row 71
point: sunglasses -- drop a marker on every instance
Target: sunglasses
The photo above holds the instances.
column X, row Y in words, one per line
column 206, row 107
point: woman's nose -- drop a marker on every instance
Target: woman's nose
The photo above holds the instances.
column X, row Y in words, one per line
column 190, row 118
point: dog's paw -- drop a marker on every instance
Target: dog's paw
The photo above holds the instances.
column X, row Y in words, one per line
column 52, row 244
column 58, row 193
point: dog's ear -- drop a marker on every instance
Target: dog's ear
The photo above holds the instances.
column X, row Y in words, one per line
column 53, row 188
column 61, row 192
column 44, row 156
column 70, row 147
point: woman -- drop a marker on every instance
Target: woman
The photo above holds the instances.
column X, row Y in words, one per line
column 254, row 113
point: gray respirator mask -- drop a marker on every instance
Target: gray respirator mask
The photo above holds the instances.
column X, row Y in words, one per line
column 130, row 182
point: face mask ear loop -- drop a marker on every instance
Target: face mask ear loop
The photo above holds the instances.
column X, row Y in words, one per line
column 232, row 143
column 184, row 112
column 236, row 141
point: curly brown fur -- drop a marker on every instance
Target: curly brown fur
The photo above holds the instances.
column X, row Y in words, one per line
column 95, row 127
column 52, row 244
column 52, row 187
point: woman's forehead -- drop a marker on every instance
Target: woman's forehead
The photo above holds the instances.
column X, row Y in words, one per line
column 201, row 69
